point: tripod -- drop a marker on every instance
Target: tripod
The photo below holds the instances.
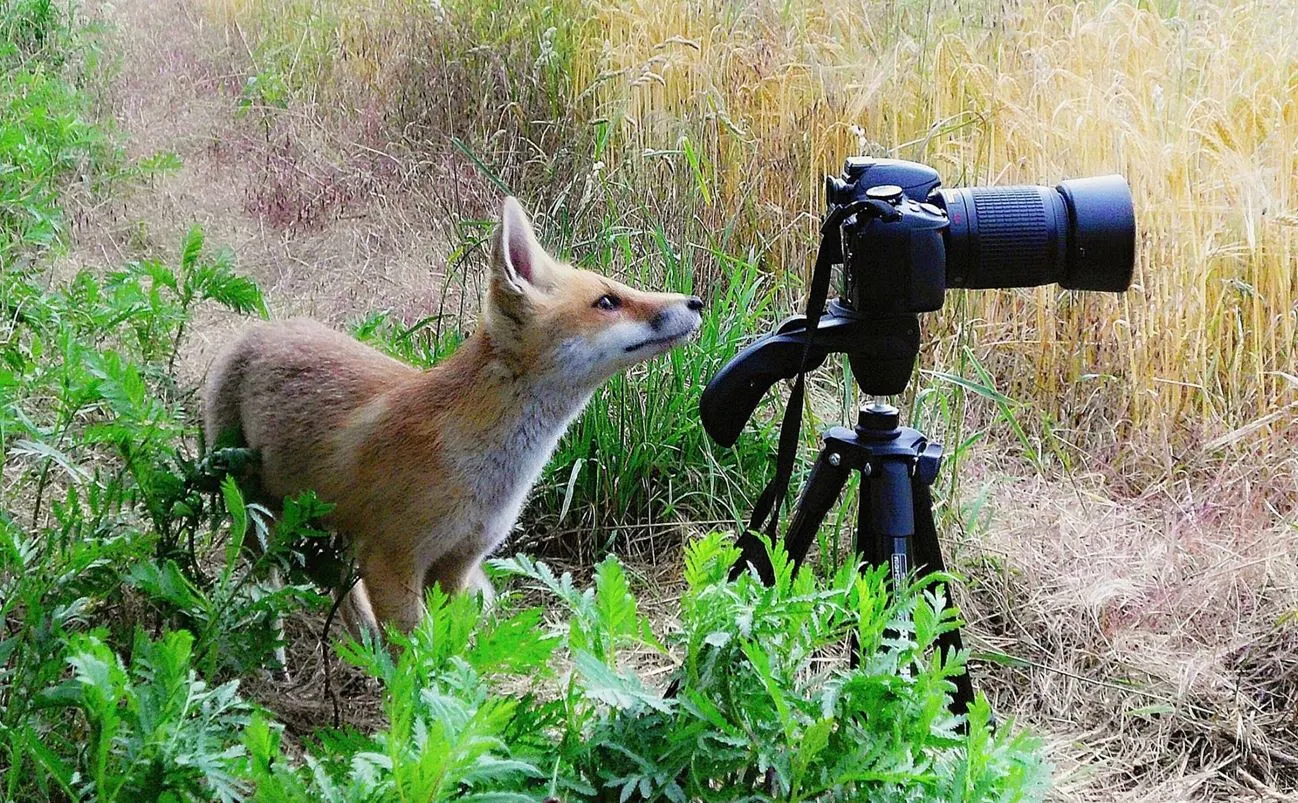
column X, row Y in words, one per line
column 895, row 516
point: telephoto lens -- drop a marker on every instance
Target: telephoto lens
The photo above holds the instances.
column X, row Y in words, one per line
column 1081, row 234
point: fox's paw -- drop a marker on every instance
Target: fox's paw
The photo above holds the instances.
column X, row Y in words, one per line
column 476, row 582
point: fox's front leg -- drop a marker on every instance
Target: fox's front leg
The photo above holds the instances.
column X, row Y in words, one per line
column 395, row 588
column 356, row 612
column 457, row 574
column 476, row 580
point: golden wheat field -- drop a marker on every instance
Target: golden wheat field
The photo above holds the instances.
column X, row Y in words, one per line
column 1195, row 103
column 1126, row 514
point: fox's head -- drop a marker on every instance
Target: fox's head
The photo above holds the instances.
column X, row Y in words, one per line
column 550, row 317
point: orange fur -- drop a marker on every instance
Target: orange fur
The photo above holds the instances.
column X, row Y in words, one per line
column 428, row 469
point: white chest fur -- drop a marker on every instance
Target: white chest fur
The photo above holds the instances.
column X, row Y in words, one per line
column 505, row 463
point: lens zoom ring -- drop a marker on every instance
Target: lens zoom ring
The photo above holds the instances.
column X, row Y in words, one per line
column 1015, row 242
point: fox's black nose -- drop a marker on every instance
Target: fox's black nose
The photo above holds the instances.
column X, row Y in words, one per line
column 695, row 303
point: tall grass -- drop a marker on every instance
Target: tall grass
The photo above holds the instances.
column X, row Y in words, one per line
column 724, row 116
column 44, row 135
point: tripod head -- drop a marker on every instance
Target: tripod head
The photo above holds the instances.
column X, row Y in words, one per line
column 881, row 351
column 902, row 241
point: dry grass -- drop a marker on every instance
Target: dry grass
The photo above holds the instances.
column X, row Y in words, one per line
column 1144, row 635
column 1196, row 106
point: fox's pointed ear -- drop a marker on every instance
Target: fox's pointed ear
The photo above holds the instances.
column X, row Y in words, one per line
column 517, row 258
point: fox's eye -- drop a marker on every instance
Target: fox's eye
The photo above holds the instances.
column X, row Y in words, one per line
column 608, row 302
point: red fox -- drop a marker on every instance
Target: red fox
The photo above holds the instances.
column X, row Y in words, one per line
column 428, row 470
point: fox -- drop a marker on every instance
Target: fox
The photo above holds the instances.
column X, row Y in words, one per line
column 428, row 470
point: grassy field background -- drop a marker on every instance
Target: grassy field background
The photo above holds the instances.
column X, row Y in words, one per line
column 1121, row 482
column 722, row 118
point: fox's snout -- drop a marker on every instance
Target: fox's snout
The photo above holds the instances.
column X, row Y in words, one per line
column 663, row 320
column 683, row 312
column 673, row 320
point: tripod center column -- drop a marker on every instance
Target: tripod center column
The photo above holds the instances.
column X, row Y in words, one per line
column 892, row 505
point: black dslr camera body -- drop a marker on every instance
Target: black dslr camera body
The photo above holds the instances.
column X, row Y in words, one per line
column 903, row 241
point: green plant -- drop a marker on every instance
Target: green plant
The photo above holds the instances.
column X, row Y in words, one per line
column 49, row 589
column 499, row 707
column 43, row 136
column 36, row 29
column 235, row 615
column 757, row 709
column 97, row 472
column 451, row 734
column 265, row 89
column 93, row 360
column 101, row 496
column 154, row 729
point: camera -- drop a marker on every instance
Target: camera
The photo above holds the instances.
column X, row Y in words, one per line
column 901, row 253
column 903, row 240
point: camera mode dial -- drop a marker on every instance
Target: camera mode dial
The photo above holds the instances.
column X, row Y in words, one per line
column 888, row 193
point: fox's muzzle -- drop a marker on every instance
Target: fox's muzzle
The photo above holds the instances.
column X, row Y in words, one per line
column 676, row 322
column 660, row 321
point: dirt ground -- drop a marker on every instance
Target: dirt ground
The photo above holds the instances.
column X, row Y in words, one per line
column 1152, row 634
column 301, row 207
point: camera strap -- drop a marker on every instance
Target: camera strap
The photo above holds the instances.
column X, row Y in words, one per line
column 766, row 511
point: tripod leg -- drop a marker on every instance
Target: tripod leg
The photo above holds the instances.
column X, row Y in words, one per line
column 896, row 526
column 822, row 491
column 823, row 487
column 928, row 558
